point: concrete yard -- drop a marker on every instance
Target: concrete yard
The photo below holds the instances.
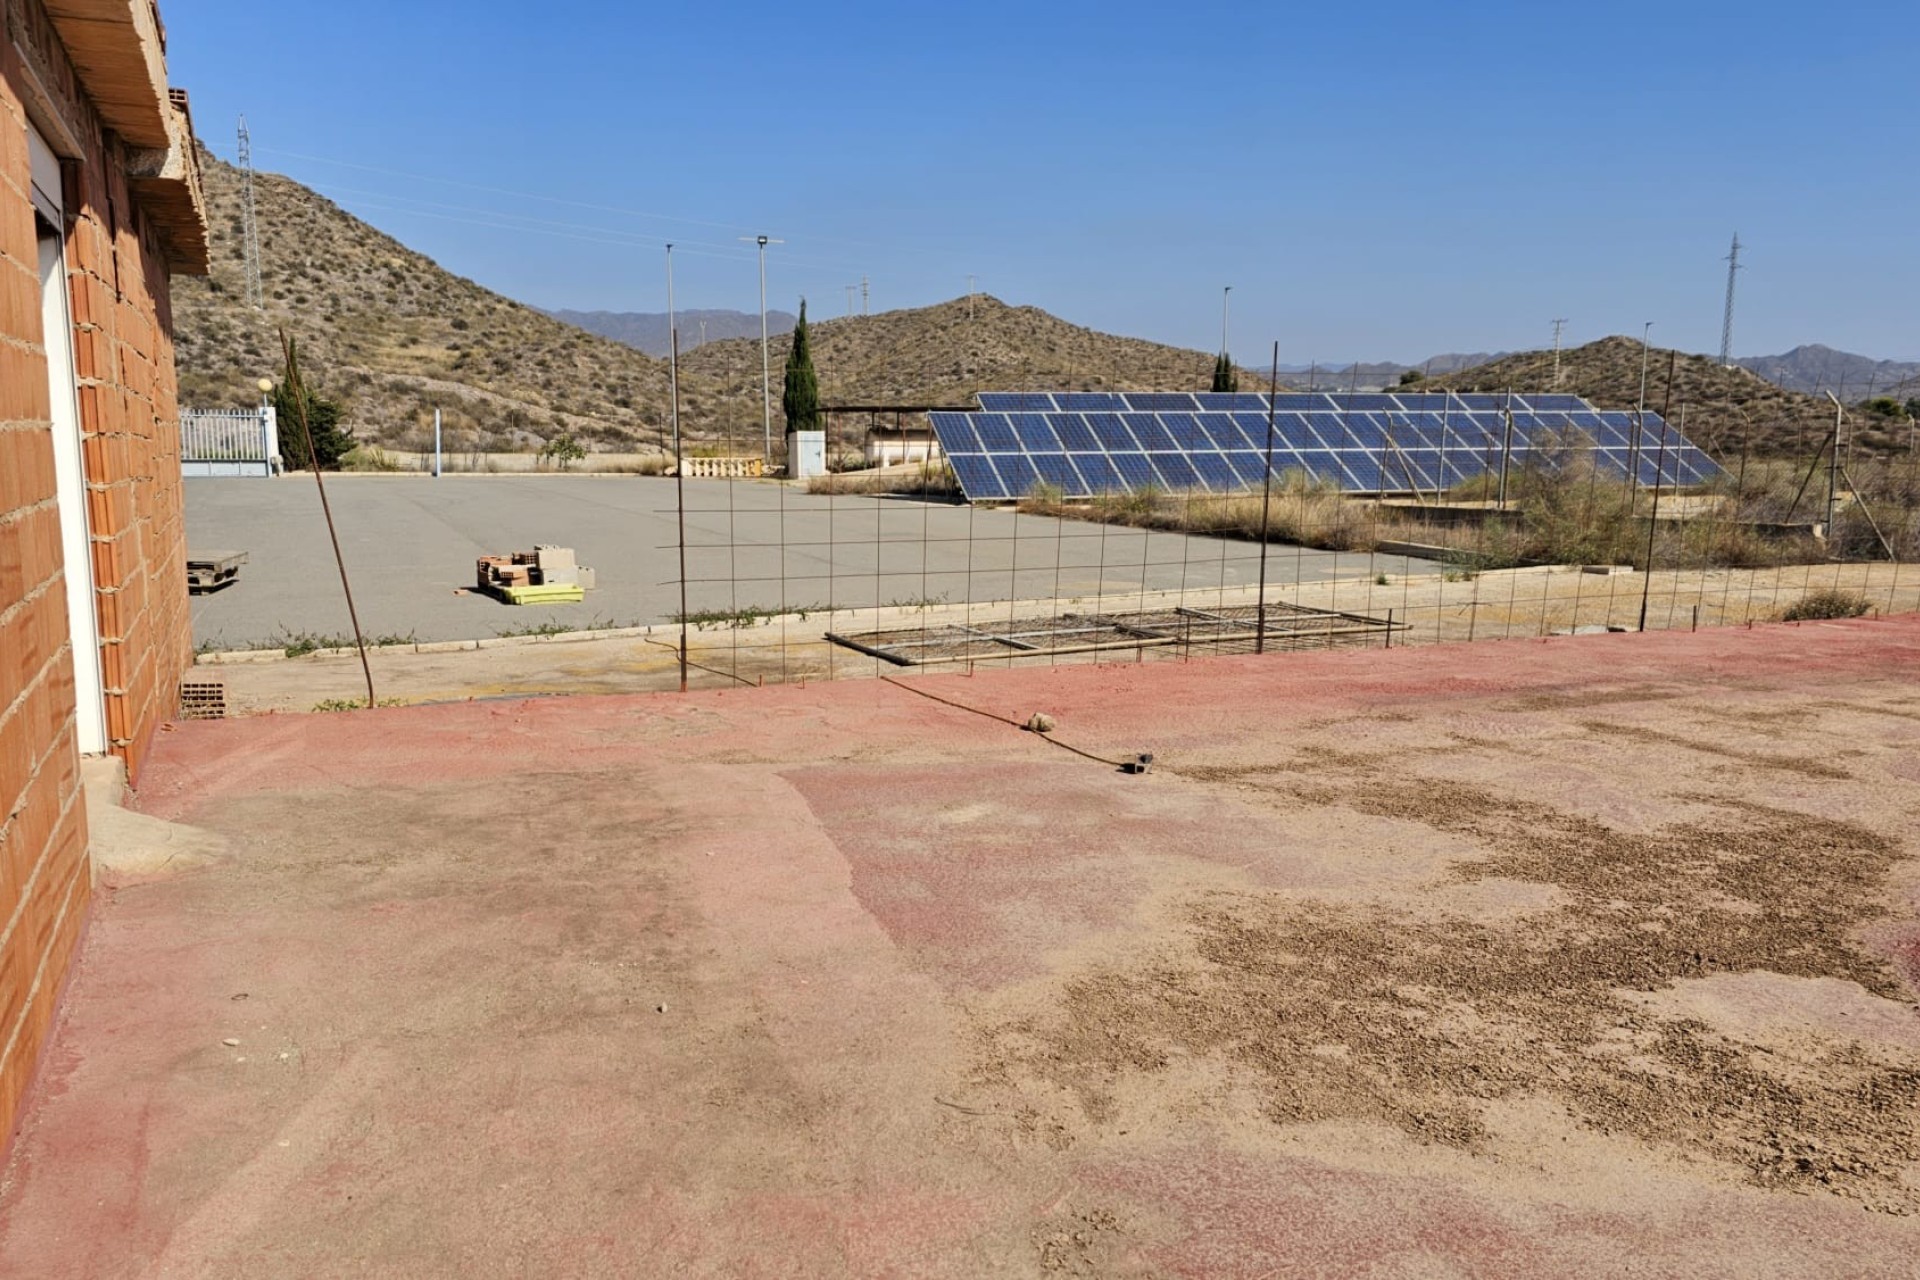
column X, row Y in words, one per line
column 1592, row 956
column 410, row 543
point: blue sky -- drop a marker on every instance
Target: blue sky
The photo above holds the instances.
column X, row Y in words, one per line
column 1375, row 180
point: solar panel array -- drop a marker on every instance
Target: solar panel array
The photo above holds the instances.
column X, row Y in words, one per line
column 1083, row 443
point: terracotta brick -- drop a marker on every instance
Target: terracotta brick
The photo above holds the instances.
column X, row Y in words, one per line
column 33, row 538
column 19, row 302
column 23, row 383
column 26, row 469
column 30, row 636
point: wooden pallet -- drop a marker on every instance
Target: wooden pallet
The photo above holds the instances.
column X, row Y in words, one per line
column 212, row 570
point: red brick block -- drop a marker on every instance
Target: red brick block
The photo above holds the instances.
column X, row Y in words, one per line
column 24, row 385
column 26, row 469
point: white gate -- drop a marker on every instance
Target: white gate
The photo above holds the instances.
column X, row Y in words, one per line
column 229, row 442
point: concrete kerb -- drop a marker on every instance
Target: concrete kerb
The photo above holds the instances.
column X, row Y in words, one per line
column 816, row 624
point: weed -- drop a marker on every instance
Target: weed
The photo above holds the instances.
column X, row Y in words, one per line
column 298, row 644
column 555, row 627
column 745, row 616
column 1819, row 605
column 354, row 704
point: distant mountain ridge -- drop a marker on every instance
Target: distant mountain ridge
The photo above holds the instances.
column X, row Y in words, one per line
column 647, row 330
column 1375, row 375
column 1816, row 369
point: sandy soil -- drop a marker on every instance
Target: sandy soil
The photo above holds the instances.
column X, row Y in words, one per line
column 1589, row 956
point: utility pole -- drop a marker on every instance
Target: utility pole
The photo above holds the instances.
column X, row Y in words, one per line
column 673, row 361
column 1726, row 325
column 1558, row 325
column 863, row 293
column 1226, row 297
column 850, row 289
column 249, row 227
column 766, row 365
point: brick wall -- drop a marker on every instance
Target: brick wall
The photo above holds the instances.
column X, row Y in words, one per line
column 123, row 354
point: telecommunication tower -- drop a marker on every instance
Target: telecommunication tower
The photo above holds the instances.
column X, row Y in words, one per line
column 1726, row 325
column 249, row 228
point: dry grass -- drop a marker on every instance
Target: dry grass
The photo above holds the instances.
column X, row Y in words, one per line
column 932, row 481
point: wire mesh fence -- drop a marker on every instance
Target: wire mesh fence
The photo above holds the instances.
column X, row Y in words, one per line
column 872, row 572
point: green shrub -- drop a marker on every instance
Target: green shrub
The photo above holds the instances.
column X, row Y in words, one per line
column 1818, row 605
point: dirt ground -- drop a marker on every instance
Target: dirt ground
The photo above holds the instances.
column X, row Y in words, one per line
column 1596, row 955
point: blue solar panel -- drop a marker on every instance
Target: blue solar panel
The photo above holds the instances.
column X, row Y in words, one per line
column 1153, row 437
column 1155, row 401
column 1251, row 467
column 1072, row 431
column 1098, row 471
column 1036, row 436
column 1253, row 426
column 996, row 432
column 1017, row 473
column 977, row 477
column 1089, row 401
column 1111, row 432
column 1185, row 430
column 955, row 432
column 1364, row 431
column 1221, row 432
column 1134, row 469
column 1177, row 470
column 1326, row 431
column 1290, row 431
column 1322, row 465
column 1016, row 402
column 1214, row 469
column 1232, row 401
column 1364, row 443
column 1058, row 470
column 1425, row 466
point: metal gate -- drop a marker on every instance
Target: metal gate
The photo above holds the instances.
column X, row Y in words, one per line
column 229, row 442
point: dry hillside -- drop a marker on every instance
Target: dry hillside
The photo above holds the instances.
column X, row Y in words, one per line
column 1724, row 408
column 394, row 335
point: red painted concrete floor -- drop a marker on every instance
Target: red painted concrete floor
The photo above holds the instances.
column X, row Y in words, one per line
column 841, row 981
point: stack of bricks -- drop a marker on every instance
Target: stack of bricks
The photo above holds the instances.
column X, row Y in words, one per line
column 117, row 286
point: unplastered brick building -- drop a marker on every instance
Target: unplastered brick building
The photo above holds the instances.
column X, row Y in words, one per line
column 99, row 204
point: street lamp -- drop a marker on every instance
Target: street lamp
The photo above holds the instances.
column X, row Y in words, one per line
column 766, row 365
column 1226, row 296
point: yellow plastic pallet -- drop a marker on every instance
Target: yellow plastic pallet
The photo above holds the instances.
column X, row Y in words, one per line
column 557, row 593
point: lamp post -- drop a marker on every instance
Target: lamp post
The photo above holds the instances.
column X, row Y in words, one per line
column 673, row 360
column 268, row 436
column 766, row 364
column 1226, row 297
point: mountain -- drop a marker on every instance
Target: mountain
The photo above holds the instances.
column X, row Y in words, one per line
column 1377, row 375
column 1816, row 369
column 393, row 334
column 1724, row 410
column 941, row 354
column 647, row 330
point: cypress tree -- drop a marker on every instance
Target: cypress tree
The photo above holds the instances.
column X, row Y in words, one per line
column 331, row 441
column 801, row 399
column 1225, row 376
